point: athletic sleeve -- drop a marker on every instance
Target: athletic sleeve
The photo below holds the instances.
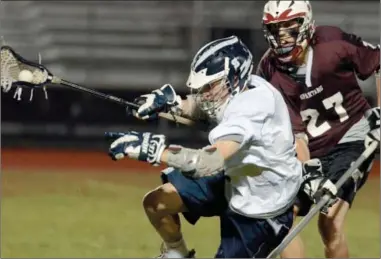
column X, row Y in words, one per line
column 243, row 118
column 363, row 56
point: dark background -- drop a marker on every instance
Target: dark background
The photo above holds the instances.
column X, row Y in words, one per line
column 128, row 48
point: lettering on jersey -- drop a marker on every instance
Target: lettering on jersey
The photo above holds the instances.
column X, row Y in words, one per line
column 311, row 93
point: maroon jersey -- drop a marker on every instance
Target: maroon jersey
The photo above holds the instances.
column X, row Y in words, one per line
column 326, row 101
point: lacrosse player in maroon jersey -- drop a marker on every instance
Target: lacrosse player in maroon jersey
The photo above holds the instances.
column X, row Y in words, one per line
column 316, row 70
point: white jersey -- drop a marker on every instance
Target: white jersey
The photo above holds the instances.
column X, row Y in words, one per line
column 265, row 174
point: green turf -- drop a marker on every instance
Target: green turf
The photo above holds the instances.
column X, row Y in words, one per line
column 54, row 214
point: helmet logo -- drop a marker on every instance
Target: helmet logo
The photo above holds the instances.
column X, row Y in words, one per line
column 235, row 63
column 284, row 16
column 244, row 67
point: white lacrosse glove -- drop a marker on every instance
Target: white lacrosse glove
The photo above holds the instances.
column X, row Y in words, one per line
column 315, row 184
column 373, row 117
column 160, row 100
column 142, row 146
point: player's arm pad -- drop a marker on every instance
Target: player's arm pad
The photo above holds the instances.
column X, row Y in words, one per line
column 195, row 163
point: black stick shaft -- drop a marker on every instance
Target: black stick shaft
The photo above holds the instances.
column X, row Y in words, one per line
column 99, row 94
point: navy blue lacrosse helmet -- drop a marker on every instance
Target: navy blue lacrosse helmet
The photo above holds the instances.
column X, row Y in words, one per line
column 226, row 58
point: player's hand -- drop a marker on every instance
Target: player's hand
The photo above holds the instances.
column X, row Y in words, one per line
column 315, row 184
column 159, row 100
column 142, row 146
column 373, row 117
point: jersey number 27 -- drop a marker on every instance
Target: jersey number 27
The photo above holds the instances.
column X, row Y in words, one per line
column 311, row 115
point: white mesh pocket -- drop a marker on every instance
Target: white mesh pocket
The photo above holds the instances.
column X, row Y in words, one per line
column 11, row 68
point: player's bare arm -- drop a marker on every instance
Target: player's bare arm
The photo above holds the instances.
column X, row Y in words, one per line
column 301, row 147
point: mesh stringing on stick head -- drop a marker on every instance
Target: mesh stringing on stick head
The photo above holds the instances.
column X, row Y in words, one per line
column 11, row 66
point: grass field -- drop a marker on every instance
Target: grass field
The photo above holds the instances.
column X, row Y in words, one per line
column 76, row 214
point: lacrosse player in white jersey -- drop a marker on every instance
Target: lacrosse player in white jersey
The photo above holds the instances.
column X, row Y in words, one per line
column 249, row 176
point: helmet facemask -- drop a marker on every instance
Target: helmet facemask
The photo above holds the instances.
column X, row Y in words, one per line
column 212, row 96
column 288, row 39
column 219, row 70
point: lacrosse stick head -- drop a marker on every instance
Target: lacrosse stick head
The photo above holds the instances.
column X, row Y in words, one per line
column 12, row 64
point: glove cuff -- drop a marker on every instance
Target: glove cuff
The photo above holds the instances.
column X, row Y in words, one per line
column 169, row 94
column 172, row 98
column 160, row 152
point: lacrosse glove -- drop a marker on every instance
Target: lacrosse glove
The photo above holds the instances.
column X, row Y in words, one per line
column 373, row 117
column 316, row 185
column 160, row 100
column 142, row 146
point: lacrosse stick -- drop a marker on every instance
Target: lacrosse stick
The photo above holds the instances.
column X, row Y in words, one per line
column 324, row 200
column 19, row 72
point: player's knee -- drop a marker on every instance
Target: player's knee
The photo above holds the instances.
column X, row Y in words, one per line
column 149, row 201
column 156, row 201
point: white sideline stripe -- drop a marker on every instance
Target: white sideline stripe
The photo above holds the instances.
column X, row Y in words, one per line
column 214, row 49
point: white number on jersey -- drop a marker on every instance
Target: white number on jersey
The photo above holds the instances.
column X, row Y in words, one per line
column 335, row 101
